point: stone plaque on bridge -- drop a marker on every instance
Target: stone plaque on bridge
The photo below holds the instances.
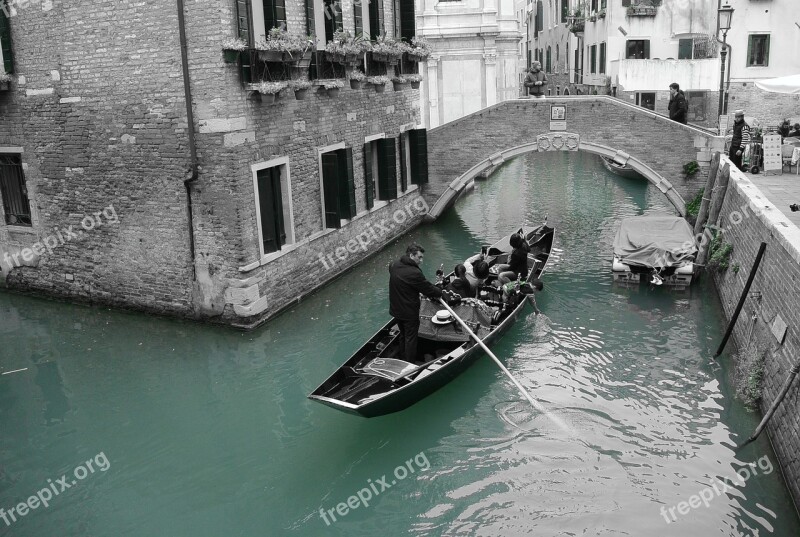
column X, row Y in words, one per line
column 558, row 117
column 558, row 142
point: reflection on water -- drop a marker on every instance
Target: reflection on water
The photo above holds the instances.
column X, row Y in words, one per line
column 209, row 432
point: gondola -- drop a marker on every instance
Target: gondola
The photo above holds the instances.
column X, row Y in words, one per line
column 375, row 382
column 623, row 170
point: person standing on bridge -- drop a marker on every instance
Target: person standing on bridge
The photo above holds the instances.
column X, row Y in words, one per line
column 678, row 106
column 535, row 80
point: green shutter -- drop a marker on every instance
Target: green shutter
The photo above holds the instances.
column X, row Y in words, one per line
column 403, row 170
column 418, row 153
column 593, row 59
column 311, row 28
column 270, row 204
column 539, row 16
column 646, row 49
column 766, row 51
column 626, row 3
column 369, row 186
column 330, row 189
column 375, row 18
column 358, row 22
column 5, row 41
column 347, row 186
column 685, row 49
column 407, row 31
column 564, row 10
column 602, row 58
column 243, row 10
column 387, row 169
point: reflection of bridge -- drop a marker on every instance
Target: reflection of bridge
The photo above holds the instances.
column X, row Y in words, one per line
column 648, row 142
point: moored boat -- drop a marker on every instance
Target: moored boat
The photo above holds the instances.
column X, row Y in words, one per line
column 660, row 247
column 622, row 170
column 375, row 381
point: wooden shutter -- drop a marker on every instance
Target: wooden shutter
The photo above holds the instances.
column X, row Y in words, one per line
column 407, row 31
column 347, row 186
column 5, row 41
column 418, row 154
column 646, row 49
column 547, row 68
column 330, row 189
column 369, row 186
column 564, row 10
column 602, row 57
column 685, row 49
column 376, row 27
column 766, row 53
column 593, row 59
column 403, row 161
column 539, row 17
column 243, row 11
column 270, row 204
column 387, row 169
column 311, row 28
column 358, row 22
column 626, row 3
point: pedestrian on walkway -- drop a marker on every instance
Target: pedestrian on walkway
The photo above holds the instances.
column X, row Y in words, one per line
column 741, row 137
column 678, row 107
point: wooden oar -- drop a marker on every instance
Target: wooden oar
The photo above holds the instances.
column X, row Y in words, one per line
column 563, row 426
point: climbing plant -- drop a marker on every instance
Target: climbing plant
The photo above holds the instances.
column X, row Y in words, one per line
column 720, row 253
column 693, row 207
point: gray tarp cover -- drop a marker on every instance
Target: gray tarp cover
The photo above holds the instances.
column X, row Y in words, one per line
column 654, row 241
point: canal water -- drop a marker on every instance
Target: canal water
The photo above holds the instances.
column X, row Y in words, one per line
column 148, row 427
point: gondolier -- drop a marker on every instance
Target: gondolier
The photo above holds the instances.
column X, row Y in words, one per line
column 406, row 282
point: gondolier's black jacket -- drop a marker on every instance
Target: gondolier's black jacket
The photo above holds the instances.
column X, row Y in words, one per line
column 406, row 282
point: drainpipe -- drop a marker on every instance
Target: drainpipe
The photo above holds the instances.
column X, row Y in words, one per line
column 187, row 89
column 730, row 60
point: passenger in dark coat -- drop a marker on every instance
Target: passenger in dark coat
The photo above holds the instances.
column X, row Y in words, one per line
column 406, row 282
column 678, row 107
column 517, row 261
column 459, row 284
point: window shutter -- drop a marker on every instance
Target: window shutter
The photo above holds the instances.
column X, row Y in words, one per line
column 243, row 10
column 347, row 186
column 564, row 10
column 407, row 30
column 369, row 186
column 626, row 3
column 594, row 59
column 418, row 154
column 539, row 16
column 547, row 62
column 602, row 57
column 5, row 41
column 310, row 25
column 766, row 50
column 330, row 189
column 274, row 14
column 646, row 49
column 337, row 16
column 403, row 161
column 387, row 169
column 685, row 49
column 270, row 204
column 358, row 23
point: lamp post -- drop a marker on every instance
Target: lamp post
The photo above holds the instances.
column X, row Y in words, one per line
column 725, row 15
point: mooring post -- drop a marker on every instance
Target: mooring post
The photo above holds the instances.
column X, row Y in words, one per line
column 784, row 390
column 702, row 214
column 742, row 299
column 718, row 197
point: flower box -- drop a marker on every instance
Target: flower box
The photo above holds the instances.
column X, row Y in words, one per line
column 355, row 84
column 270, row 55
column 300, row 88
column 4, row 86
column 336, row 57
column 231, row 56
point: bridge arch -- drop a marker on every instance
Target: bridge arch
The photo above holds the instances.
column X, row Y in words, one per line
column 648, row 142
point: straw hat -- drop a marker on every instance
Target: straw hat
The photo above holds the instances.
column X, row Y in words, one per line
column 442, row 317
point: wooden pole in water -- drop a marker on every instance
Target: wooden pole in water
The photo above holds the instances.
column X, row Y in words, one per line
column 741, row 299
column 775, row 404
column 716, row 206
column 702, row 214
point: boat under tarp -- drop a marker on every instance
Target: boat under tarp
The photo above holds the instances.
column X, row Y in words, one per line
column 658, row 245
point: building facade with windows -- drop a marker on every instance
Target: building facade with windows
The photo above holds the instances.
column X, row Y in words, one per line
column 228, row 209
column 476, row 56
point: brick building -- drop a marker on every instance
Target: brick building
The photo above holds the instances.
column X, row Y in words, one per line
column 114, row 191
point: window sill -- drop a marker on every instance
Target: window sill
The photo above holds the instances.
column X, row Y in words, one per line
column 21, row 229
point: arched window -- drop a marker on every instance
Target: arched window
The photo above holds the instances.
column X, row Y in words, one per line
column 566, row 91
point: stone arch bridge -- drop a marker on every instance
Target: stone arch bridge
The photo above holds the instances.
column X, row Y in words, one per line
column 646, row 141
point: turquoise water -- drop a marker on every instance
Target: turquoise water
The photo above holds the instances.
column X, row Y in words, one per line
column 196, row 430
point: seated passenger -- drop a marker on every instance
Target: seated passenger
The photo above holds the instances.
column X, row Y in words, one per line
column 796, row 132
column 517, row 261
column 459, row 284
column 477, row 271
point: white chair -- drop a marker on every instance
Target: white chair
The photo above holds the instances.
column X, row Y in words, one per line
column 786, row 158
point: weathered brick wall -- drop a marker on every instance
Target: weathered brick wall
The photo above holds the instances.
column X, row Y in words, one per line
column 663, row 145
column 99, row 111
column 769, row 108
column 106, row 125
column 748, row 221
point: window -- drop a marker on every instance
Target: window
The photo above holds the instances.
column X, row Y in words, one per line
column 685, row 47
column 333, row 18
column 564, row 10
column 6, row 57
column 646, row 100
column 602, row 58
column 376, row 27
column 338, row 187
column 637, row 49
column 269, row 210
column 758, row 50
column 404, row 20
column 380, row 170
column 418, row 153
column 539, row 18
column 274, row 14
column 547, row 61
column 697, row 105
column 593, row 59
column 594, row 5
column 602, row 4
column 16, row 207
column 358, row 18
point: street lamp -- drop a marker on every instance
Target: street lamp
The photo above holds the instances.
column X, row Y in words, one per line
column 725, row 15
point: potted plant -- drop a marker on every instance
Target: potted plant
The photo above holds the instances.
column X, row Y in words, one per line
column 414, row 80
column 601, row 14
column 300, row 88
column 269, row 90
column 298, row 49
column 5, row 79
column 271, row 48
column 333, row 87
column 232, row 47
column 576, row 21
column 398, row 82
column 356, row 78
column 387, row 49
column 420, row 50
column 379, row 82
column 355, row 48
column 335, row 49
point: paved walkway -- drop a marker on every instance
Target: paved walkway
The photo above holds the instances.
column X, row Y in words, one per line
column 780, row 190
